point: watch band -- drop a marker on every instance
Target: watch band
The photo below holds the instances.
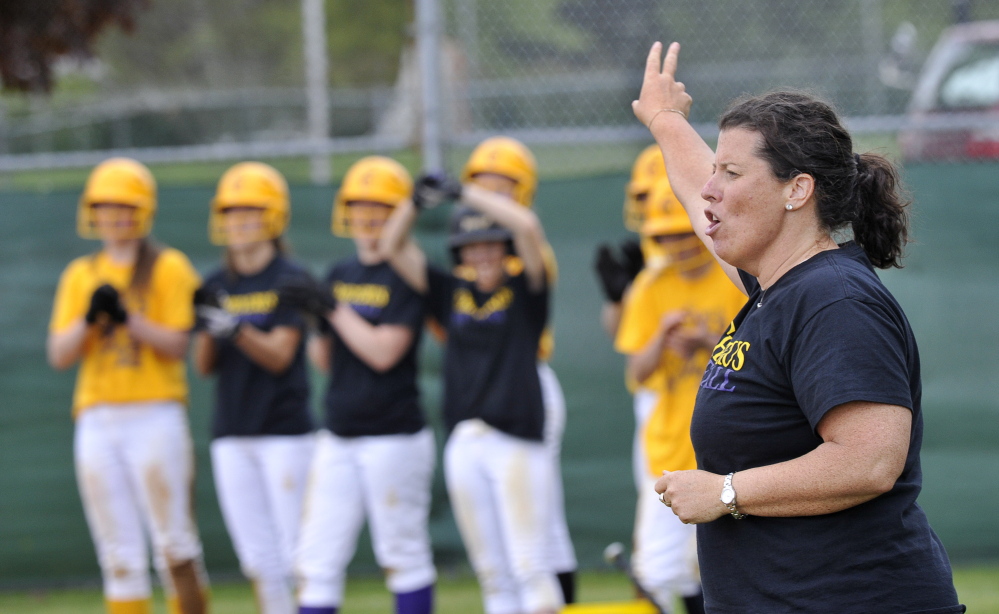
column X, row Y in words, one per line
column 731, row 505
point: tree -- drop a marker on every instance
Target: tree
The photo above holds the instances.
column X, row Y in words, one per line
column 35, row 33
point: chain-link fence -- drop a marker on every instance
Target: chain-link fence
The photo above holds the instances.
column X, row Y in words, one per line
column 225, row 79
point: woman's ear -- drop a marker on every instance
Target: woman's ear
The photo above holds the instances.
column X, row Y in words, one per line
column 799, row 190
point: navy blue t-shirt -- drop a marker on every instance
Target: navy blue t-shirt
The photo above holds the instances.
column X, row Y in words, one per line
column 250, row 400
column 359, row 400
column 490, row 360
column 826, row 333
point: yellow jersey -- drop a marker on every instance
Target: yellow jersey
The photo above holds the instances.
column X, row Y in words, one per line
column 710, row 301
column 114, row 367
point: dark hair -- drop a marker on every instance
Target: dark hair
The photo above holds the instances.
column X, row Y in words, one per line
column 145, row 261
column 802, row 134
column 142, row 274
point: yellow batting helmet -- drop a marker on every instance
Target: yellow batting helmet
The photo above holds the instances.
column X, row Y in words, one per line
column 119, row 181
column 502, row 155
column 664, row 215
column 647, row 170
column 251, row 184
column 374, row 179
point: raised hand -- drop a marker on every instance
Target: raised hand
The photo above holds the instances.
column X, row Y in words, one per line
column 661, row 93
column 432, row 189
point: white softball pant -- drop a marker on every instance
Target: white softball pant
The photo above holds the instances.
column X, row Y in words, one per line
column 644, row 403
column 135, row 470
column 386, row 478
column 500, row 490
column 665, row 556
column 260, row 483
column 562, row 554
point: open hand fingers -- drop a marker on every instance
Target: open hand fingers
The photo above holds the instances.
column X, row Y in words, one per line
column 660, row 91
column 669, row 64
column 654, row 61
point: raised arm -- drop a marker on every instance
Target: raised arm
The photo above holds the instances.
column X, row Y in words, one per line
column 663, row 106
column 396, row 246
column 528, row 235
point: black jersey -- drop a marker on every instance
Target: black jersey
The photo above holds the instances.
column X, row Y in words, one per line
column 250, row 400
column 359, row 400
column 490, row 360
column 826, row 333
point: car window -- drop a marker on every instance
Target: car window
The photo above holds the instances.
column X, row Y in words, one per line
column 973, row 80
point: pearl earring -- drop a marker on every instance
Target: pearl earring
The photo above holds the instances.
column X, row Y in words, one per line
column 788, row 206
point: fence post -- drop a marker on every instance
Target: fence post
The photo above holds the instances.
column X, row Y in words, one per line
column 317, row 90
column 427, row 46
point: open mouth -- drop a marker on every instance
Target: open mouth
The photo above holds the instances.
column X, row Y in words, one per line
column 713, row 222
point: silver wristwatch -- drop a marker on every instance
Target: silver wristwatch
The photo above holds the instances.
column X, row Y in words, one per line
column 728, row 498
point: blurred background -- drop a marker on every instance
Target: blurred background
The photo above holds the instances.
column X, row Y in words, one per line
column 193, row 86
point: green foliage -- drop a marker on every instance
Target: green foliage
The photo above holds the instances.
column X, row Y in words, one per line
column 215, row 43
column 365, row 39
column 241, row 43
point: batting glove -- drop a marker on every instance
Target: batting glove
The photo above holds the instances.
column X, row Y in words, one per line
column 218, row 322
column 613, row 275
column 208, row 295
column 634, row 259
column 432, row 189
column 306, row 296
column 106, row 299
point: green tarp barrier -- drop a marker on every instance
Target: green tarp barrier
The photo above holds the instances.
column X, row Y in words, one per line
column 949, row 289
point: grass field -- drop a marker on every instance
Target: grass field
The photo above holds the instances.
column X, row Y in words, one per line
column 977, row 586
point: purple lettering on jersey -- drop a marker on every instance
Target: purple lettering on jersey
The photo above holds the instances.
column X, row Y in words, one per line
column 711, row 375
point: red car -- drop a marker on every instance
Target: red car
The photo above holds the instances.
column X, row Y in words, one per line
column 954, row 112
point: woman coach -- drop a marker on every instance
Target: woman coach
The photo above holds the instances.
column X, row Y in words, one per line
column 808, row 425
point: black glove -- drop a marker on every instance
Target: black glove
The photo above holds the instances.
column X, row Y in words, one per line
column 612, row 274
column 207, row 296
column 433, row 189
column 307, row 296
column 105, row 299
column 634, row 259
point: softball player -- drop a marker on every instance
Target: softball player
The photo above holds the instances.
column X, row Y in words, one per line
column 616, row 276
column 375, row 456
column 510, row 159
column 673, row 317
column 494, row 307
column 124, row 314
column 262, row 426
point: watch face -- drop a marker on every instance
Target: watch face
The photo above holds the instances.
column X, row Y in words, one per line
column 727, row 496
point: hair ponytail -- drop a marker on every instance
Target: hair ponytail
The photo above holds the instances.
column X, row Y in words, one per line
column 881, row 219
column 802, row 134
column 142, row 275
